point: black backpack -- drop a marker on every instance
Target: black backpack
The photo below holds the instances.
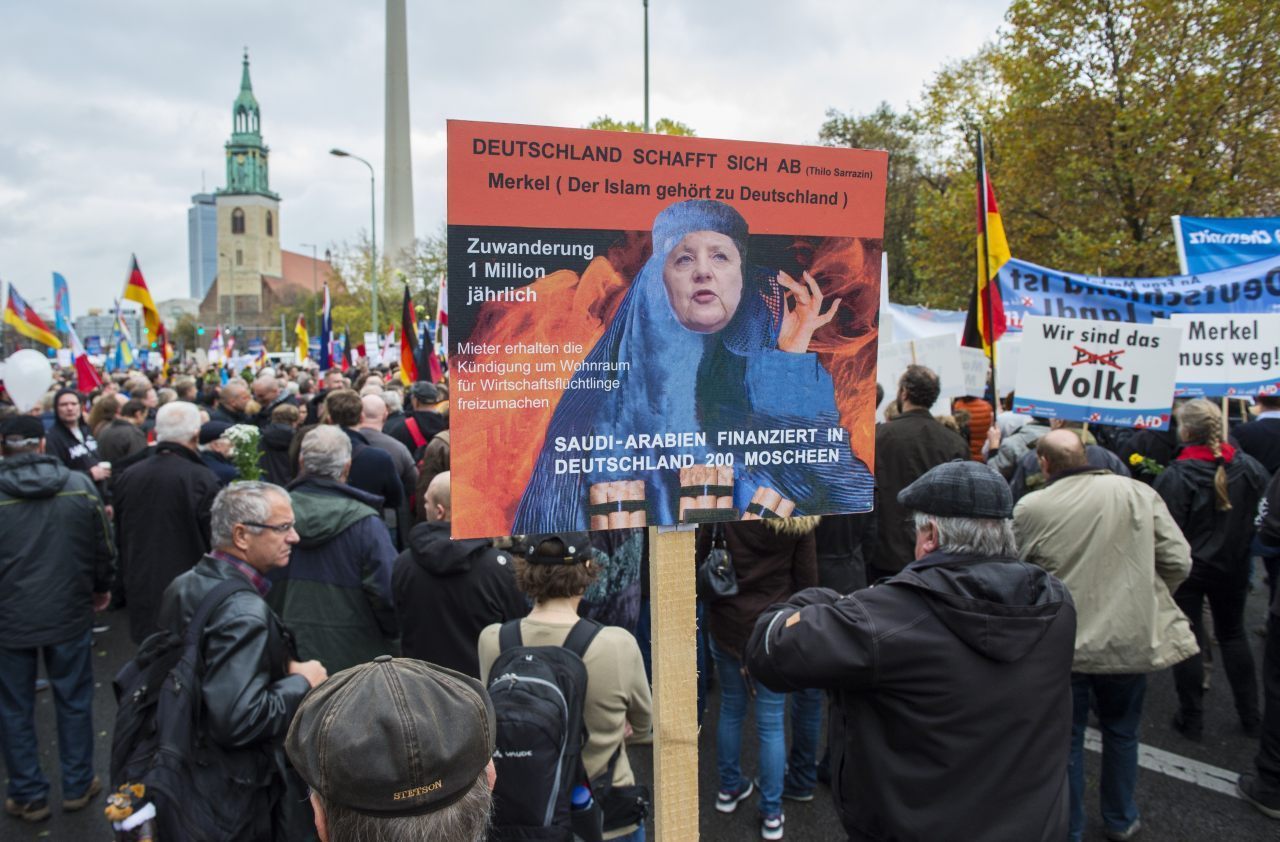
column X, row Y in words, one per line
column 201, row 793
column 538, row 694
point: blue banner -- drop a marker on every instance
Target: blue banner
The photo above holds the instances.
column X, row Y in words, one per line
column 61, row 303
column 1206, row 244
column 1030, row 290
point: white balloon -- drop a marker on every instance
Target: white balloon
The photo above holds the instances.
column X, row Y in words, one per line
column 27, row 375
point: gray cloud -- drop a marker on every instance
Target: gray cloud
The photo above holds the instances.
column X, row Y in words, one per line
column 113, row 110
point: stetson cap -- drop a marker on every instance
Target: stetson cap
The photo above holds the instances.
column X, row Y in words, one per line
column 393, row 737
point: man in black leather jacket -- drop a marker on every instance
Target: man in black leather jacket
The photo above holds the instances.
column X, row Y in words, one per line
column 950, row 681
column 252, row 683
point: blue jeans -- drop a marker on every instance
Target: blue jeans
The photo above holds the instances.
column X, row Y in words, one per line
column 806, row 729
column 636, row 835
column 1117, row 699
column 70, row 669
column 770, row 713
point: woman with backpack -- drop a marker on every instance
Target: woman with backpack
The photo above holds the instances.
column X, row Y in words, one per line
column 1212, row 490
column 613, row 702
column 772, row 559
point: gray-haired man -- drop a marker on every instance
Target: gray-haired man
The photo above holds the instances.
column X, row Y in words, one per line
column 252, row 681
column 336, row 593
column 162, row 507
column 951, row 680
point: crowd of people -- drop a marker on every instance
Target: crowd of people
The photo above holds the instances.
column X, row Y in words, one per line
column 351, row 649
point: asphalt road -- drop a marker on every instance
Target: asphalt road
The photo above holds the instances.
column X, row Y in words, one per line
column 1172, row 810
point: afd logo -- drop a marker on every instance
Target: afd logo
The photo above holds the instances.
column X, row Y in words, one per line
column 1256, row 237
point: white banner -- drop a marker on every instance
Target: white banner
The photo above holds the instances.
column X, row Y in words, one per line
column 1008, row 358
column 1228, row 354
column 974, row 365
column 938, row 353
column 1101, row 372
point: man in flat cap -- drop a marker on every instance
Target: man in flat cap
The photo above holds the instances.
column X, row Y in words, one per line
column 57, row 562
column 397, row 749
column 950, row 681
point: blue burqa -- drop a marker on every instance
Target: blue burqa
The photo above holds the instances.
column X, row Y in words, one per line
column 683, row 381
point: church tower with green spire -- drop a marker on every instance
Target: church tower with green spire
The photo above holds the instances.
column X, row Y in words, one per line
column 246, row 153
column 248, row 212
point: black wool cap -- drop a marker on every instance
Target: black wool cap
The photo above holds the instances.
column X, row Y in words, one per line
column 393, row 737
column 960, row 489
column 574, row 548
column 211, row 431
column 22, row 427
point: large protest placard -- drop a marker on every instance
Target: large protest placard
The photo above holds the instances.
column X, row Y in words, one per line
column 1206, row 244
column 1228, row 355
column 647, row 329
column 1030, row 290
column 1116, row 374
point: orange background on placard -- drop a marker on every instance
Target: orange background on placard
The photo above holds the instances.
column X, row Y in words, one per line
column 494, row 452
column 472, row 202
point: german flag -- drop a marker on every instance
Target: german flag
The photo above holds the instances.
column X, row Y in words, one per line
column 135, row 289
column 408, row 342
column 986, row 323
column 19, row 315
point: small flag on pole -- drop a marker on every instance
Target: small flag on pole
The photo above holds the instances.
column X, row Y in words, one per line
column 61, row 303
column 304, row 341
column 986, row 323
column 19, row 315
column 326, row 331
column 408, row 341
column 87, row 378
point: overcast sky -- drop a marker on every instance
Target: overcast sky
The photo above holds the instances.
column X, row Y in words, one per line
column 114, row 114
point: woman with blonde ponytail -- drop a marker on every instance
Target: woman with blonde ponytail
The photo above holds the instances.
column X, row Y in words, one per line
column 1212, row 490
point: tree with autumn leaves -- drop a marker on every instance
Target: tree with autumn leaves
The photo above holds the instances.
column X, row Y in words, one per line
column 1102, row 119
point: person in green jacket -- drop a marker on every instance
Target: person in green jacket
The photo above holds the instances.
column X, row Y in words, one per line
column 335, row 595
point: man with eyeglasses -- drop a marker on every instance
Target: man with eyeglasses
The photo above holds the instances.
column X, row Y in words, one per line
column 253, row 681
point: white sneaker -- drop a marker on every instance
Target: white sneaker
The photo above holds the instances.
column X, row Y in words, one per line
column 771, row 827
column 727, row 802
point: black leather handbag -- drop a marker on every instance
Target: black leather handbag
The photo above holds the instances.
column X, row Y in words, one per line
column 716, row 577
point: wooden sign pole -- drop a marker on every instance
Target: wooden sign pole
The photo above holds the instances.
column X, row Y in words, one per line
column 675, row 684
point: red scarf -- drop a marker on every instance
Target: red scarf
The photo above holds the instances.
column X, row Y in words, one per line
column 1205, row 454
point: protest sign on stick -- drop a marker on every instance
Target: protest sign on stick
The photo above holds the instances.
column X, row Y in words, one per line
column 1097, row 372
column 1228, row 355
column 646, row 331
column 938, row 353
column 975, row 367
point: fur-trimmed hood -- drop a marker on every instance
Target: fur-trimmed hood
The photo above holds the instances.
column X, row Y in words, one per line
column 793, row 525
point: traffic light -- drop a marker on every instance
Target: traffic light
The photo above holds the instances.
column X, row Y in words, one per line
column 199, row 330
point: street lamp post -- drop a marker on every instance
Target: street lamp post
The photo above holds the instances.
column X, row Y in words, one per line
column 373, row 232
column 646, row 65
column 315, row 286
